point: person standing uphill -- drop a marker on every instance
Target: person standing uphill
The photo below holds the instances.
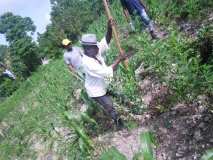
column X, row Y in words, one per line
column 96, row 71
column 132, row 7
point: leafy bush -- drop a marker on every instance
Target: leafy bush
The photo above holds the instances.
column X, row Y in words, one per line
column 208, row 155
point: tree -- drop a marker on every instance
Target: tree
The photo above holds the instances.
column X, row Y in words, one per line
column 72, row 16
column 15, row 27
column 3, row 52
column 21, row 55
column 50, row 42
column 69, row 19
column 23, row 51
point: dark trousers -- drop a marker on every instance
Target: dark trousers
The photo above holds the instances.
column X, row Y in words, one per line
column 107, row 104
column 135, row 6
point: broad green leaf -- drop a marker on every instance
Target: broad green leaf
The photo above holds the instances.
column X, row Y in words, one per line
column 112, row 154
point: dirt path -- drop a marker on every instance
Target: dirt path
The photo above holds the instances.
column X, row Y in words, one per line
column 183, row 133
column 127, row 142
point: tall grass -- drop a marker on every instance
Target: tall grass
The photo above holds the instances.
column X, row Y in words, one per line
column 35, row 109
column 40, row 103
column 169, row 58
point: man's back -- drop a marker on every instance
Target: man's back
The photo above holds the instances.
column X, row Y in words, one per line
column 74, row 57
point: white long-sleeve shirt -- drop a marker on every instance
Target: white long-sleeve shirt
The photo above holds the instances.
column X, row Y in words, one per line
column 96, row 73
column 74, row 58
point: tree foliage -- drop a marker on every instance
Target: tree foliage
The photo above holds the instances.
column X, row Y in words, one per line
column 69, row 19
column 22, row 51
column 72, row 16
column 50, row 42
column 15, row 27
column 3, row 51
column 21, row 45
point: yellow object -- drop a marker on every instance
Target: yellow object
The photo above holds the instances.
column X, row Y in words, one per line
column 66, row 42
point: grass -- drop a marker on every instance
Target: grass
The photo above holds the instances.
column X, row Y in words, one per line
column 35, row 108
column 112, row 154
column 169, row 58
column 38, row 106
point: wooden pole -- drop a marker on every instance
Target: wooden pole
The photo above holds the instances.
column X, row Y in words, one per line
column 115, row 33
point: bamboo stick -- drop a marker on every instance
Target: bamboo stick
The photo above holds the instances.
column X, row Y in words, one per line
column 115, row 33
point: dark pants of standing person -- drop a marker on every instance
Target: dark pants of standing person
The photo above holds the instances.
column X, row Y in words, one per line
column 135, row 6
column 107, row 104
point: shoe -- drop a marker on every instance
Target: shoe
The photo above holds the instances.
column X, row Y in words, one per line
column 157, row 34
column 119, row 123
column 153, row 35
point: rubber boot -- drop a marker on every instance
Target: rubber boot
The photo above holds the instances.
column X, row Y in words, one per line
column 153, row 35
column 118, row 123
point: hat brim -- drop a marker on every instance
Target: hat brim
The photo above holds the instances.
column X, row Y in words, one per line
column 88, row 43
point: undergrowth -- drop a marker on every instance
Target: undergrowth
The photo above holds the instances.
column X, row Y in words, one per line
column 34, row 111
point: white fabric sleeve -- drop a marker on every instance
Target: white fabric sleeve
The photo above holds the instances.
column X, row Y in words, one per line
column 67, row 60
column 99, row 71
column 81, row 52
column 103, row 46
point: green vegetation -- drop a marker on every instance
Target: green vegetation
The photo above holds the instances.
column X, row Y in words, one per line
column 147, row 141
column 44, row 100
column 22, row 51
column 24, row 55
column 174, row 59
column 208, row 155
column 112, row 154
column 3, row 50
column 145, row 152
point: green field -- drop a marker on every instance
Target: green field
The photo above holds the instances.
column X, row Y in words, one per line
column 31, row 116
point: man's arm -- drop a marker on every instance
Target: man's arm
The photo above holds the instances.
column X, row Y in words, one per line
column 67, row 61
column 98, row 70
column 119, row 59
column 109, row 31
column 71, row 68
column 115, row 64
column 74, row 73
column 104, row 43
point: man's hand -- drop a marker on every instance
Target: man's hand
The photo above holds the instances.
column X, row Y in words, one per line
column 111, row 22
column 125, row 55
column 119, row 59
column 71, row 68
column 122, row 57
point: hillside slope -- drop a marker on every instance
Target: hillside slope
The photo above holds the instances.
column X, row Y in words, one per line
column 32, row 113
column 169, row 83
